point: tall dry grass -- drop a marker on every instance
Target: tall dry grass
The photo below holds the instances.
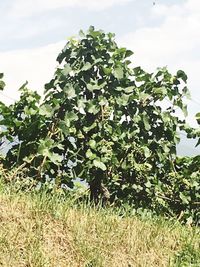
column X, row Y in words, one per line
column 40, row 230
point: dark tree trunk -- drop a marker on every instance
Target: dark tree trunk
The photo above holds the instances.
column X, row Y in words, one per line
column 98, row 191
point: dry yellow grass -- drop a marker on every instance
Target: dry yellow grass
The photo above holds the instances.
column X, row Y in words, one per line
column 39, row 231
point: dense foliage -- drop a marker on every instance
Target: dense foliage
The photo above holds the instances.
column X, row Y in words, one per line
column 109, row 124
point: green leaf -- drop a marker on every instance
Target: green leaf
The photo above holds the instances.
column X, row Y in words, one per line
column 147, row 152
column 66, row 69
column 184, row 198
column 103, row 101
column 184, row 109
column 181, row 74
column 107, row 71
column 46, row 110
column 86, row 66
column 176, row 138
column 90, row 155
column 44, row 151
column 186, row 93
column 30, row 111
column 118, row 73
column 95, row 33
column 162, row 91
column 89, row 128
column 197, row 117
column 71, row 116
column 198, row 143
column 92, row 144
column 91, row 29
column 55, row 158
column 118, row 88
column 166, row 117
column 148, row 184
column 2, row 85
column 93, row 108
column 70, row 91
column 92, row 87
column 45, row 146
column 81, row 34
column 64, row 127
column 122, row 100
column 81, row 105
column 146, row 122
column 100, row 165
column 129, row 53
column 129, row 89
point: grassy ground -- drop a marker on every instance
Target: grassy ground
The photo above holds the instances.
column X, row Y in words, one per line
column 38, row 230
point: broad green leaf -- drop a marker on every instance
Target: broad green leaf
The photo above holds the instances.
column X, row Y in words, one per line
column 103, row 101
column 46, row 110
column 100, row 165
column 93, row 108
column 148, row 184
column 70, row 91
column 181, row 74
column 166, row 117
column 95, row 33
column 184, row 198
column 186, row 92
column 160, row 91
column 55, row 158
column 107, row 71
column 90, row 155
column 45, row 146
column 66, row 69
column 118, row 88
column 86, row 66
column 44, row 152
column 147, row 152
column 123, row 100
column 89, row 128
column 129, row 89
column 92, row 87
column 92, row 144
column 118, row 73
column 30, row 111
column 129, row 53
column 64, row 126
column 71, row 116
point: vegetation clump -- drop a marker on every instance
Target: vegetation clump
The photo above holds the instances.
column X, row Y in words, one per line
column 113, row 126
column 46, row 230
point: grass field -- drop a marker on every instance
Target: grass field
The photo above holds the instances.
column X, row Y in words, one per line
column 41, row 230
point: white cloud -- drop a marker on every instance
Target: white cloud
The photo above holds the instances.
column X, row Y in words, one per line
column 25, row 8
column 34, row 65
column 175, row 43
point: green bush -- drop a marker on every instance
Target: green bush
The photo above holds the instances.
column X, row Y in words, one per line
column 111, row 125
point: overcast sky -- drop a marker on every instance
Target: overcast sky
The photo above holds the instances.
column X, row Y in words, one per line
column 160, row 32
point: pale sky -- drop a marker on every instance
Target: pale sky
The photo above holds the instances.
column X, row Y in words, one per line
column 160, row 33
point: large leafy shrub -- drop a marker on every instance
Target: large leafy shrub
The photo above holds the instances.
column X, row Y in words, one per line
column 103, row 121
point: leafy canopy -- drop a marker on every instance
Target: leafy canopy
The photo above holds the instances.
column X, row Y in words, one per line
column 101, row 120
